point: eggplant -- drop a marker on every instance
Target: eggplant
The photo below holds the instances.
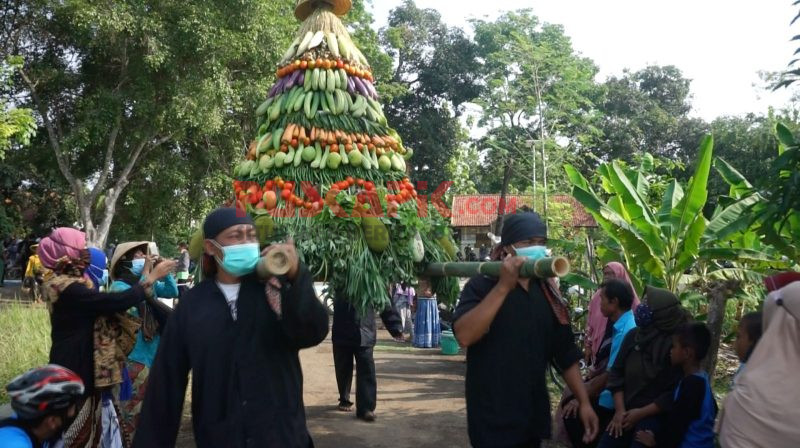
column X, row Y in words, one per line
column 362, row 88
column 351, row 85
column 301, row 78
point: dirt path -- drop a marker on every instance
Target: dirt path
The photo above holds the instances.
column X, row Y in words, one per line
column 420, row 401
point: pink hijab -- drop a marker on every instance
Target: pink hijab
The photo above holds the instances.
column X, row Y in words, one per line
column 62, row 242
column 595, row 321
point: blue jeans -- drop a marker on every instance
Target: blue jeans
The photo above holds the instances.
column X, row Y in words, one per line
column 627, row 440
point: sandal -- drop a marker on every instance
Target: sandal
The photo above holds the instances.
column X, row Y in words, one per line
column 345, row 406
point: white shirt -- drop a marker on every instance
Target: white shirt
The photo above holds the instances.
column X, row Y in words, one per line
column 231, row 293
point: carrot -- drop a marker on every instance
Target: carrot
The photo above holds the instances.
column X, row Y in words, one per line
column 287, row 134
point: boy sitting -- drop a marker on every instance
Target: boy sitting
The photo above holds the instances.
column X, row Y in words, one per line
column 690, row 422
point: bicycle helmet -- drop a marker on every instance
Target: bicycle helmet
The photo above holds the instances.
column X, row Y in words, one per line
column 44, row 390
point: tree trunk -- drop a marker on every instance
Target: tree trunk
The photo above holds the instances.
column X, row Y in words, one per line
column 718, row 293
column 501, row 206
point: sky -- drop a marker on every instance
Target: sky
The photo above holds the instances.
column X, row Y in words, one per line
column 720, row 45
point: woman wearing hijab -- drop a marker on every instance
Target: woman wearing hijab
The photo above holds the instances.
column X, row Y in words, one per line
column 90, row 334
column 98, row 268
column 129, row 264
column 642, row 373
column 596, row 323
column 762, row 409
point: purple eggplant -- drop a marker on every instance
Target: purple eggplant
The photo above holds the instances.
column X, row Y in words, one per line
column 372, row 92
column 301, row 78
column 361, row 87
column 273, row 91
column 351, row 86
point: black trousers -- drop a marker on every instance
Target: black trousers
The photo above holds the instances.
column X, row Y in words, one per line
column 575, row 429
column 366, row 383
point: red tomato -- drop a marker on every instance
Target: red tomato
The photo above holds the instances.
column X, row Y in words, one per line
column 405, row 194
column 361, row 197
column 350, row 180
column 307, row 205
column 279, row 182
column 389, row 197
column 360, row 182
column 369, row 186
column 339, row 64
column 286, row 194
column 288, row 186
column 269, row 185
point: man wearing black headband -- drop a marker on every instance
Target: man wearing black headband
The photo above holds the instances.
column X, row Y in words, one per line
column 240, row 337
column 514, row 327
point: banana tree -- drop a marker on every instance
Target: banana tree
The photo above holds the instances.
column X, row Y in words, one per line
column 674, row 245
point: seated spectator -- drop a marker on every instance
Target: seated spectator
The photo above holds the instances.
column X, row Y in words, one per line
column 616, row 300
column 642, row 374
column 690, row 421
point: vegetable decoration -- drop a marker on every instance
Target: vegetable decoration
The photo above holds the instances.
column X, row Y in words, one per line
column 326, row 169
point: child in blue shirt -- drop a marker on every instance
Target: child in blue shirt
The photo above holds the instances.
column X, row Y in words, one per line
column 690, row 421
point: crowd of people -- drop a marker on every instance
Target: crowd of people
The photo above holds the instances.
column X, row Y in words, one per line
column 120, row 358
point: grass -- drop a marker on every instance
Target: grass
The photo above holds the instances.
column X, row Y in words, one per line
column 24, row 340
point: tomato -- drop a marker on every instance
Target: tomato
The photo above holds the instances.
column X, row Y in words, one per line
column 406, row 180
column 319, row 63
column 294, row 143
column 286, row 194
column 339, row 64
column 369, row 186
column 298, row 201
column 304, row 65
column 279, row 183
column 361, row 197
column 307, row 205
column 269, row 185
column 297, row 62
column 288, row 185
column 360, row 182
column 405, row 194
column 312, row 63
column 350, row 180
column 347, row 68
column 389, row 197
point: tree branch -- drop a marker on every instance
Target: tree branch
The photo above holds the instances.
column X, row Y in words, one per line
column 112, row 142
column 63, row 163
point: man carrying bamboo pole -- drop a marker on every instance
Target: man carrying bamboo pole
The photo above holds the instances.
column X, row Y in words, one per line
column 514, row 327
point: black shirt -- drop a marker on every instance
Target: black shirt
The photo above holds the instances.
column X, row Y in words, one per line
column 350, row 329
column 686, row 408
column 247, row 383
column 507, row 399
column 72, row 322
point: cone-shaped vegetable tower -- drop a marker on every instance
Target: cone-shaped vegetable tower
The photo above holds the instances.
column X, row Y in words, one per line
column 327, row 170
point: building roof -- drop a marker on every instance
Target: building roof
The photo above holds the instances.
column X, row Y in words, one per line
column 480, row 210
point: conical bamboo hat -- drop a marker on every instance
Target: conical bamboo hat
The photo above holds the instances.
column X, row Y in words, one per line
column 304, row 8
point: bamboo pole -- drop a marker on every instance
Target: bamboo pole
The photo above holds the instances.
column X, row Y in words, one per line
column 541, row 268
column 275, row 263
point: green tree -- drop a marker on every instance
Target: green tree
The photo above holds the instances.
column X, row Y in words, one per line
column 647, row 111
column 114, row 83
column 538, row 100
column 16, row 124
column 433, row 76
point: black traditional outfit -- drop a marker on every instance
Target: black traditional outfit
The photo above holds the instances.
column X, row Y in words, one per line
column 242, row 350
column 507, row 400
column 247, row 383
column 353, row 337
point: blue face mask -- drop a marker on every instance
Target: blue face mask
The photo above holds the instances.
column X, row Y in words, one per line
column 99, row 276
column 239, row 259
column 137, row 266
column 532, row 252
